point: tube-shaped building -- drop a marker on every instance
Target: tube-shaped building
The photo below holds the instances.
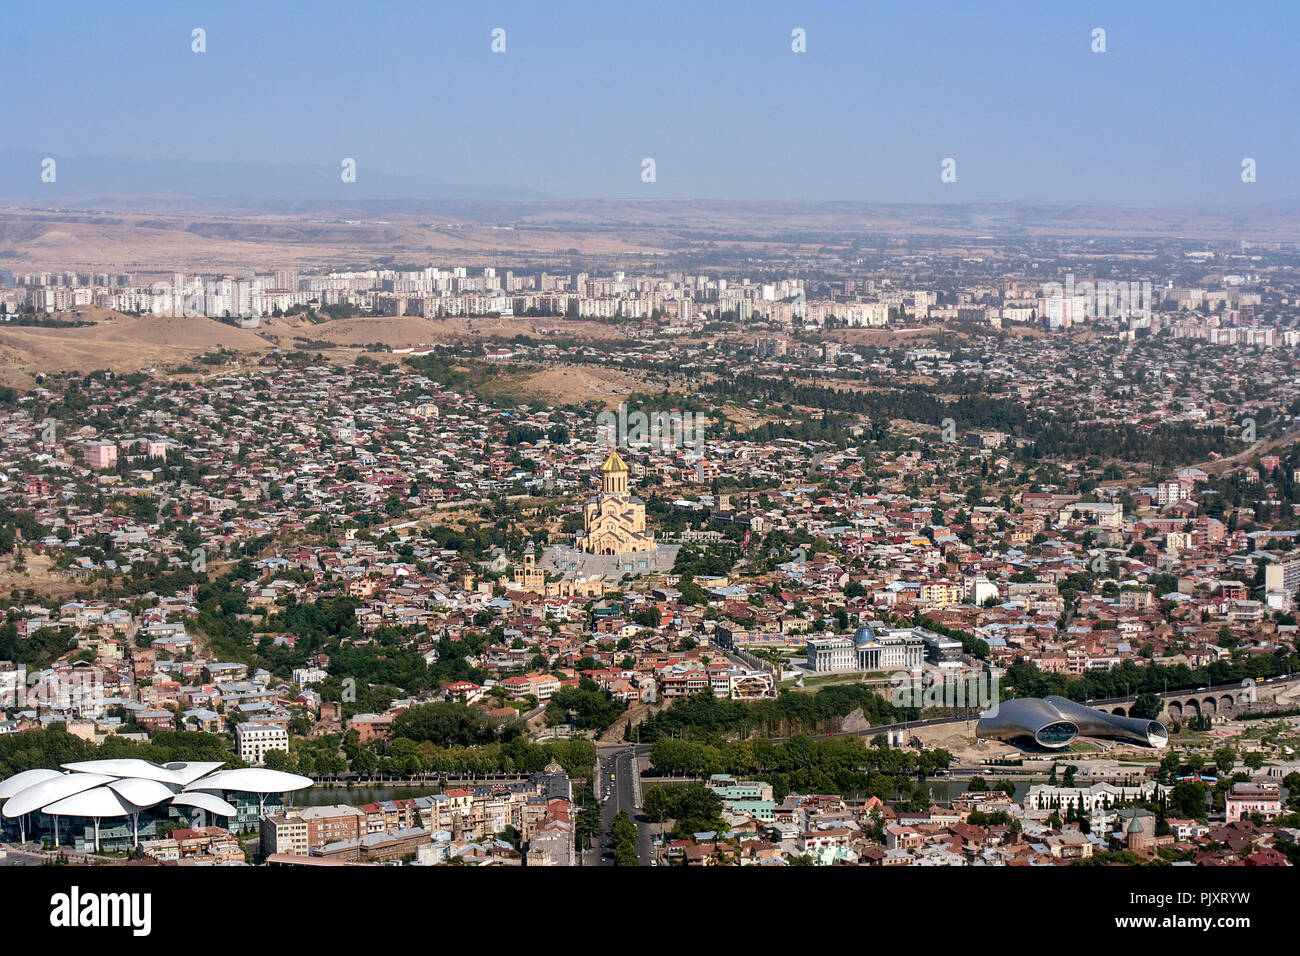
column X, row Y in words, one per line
column 1093, row 722
column 1054, row 722
column 1028, row 721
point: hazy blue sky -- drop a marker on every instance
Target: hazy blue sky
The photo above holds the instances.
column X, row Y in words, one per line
column 711, row 91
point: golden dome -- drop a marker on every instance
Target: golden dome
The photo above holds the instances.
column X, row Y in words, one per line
column 613, row 463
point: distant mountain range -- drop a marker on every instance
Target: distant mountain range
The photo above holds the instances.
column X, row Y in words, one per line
column 82, row 178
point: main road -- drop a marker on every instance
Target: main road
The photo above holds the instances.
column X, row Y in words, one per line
column 618, row 787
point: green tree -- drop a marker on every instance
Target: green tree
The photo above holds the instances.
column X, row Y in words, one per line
column 623, row 836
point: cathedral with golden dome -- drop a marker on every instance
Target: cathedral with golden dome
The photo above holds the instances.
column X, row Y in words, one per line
column 613, row 522
column 614, row 543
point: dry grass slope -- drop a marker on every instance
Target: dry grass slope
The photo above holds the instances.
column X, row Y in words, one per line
column 119, row 342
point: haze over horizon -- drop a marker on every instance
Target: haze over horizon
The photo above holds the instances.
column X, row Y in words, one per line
column 583, row 94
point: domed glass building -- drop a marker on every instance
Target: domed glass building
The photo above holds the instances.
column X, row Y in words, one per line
column 99, row 804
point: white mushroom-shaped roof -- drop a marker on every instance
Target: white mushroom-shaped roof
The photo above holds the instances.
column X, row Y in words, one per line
column 50, row 791
column 21, row 781
column 95, row 802
column 191, row 770
column 252, row 780
column 127, row 767
column 142, row 792
column 204, row 801
column 106, row 788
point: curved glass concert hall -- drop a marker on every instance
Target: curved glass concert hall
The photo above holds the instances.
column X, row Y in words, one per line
column 1054, row 722
column 1093, row 722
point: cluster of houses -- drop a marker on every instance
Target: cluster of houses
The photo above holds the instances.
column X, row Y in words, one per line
column 984, row 828
column 463, row 824
column 261, row 463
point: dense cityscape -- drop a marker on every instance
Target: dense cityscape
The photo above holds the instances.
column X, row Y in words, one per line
column 592, row 437
column 749, row 610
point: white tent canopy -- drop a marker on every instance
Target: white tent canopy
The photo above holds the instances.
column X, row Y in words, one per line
column 128, row 767
column 100, row 789
column 21, row 781
column 41, row 795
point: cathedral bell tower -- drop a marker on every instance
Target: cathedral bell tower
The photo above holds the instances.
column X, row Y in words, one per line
column 613, row 475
